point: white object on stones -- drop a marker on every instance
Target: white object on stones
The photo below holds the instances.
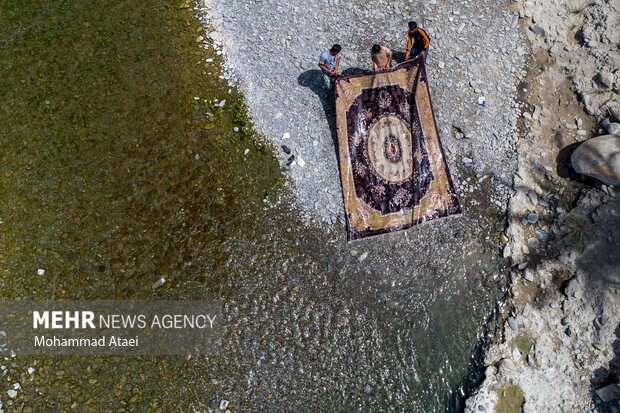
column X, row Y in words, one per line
column 40, row 271
column 223, row 404
column 300, row 161
column 533, row 242
column 528, row 275
column 159, row 283
column 599, row 158
column 30, row 370
column 506, row 253
column 222, row 103
column 533, row 197
column 12, row 393
column 197, row 157
column 362, row 256
column 286, row 135
column 532, row 218
column 246, row 151
column 613, row 128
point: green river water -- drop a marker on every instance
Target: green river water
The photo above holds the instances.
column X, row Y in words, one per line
column 118, row 167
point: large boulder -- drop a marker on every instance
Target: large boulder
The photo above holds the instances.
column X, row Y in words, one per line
column 599, row 158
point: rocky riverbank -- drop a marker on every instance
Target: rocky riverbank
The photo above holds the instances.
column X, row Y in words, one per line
column 507, row 157
column 476, row 49
column 560, row 343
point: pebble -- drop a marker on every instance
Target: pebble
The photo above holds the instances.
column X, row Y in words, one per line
column 528, row 275
column 246, row 151
column 362, row 256
column 506, row 252
column 533, row 197
column 532, row 218
column 286, row 135
column 12, row 393
column 30, row 370
column 300, row 161
column 513, row 324
column 222, row 103
column 197, row 157
column 158, row 283
column 40, row 271
column 533, row 242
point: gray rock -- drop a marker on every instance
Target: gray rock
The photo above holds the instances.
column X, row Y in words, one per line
column 533, row 197
column 513, row 324
column 530, row 359
column 599, row 158
column 609, row 392
column 605, row 79
column 537, row 29
column 528, row 275
column 613, row 128
column 532, row 218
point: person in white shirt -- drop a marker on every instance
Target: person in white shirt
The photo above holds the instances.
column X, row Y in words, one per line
column 328, row 62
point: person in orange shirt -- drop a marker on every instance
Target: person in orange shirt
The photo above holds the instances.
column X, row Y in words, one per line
column 417, row 42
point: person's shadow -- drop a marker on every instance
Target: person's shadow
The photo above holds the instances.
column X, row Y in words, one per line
column 313, row 79
column 397, row 57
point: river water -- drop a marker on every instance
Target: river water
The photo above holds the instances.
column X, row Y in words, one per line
column 120, row 165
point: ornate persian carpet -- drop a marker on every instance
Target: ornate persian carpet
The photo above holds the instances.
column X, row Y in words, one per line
column 393, row 170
